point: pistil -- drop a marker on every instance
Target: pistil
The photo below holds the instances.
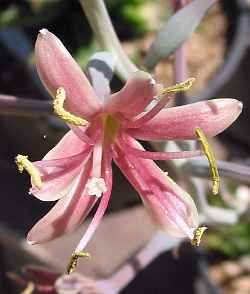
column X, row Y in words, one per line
column 111, row 127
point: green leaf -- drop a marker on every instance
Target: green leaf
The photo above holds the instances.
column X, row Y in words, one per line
column 177, row 30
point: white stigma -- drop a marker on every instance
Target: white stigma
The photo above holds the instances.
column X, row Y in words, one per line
column 96, row 186
column 43, row 32
column 152, row 81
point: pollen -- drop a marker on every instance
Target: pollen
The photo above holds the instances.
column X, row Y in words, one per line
column 211, row 159
column 181, row 87
column 62, row 113
column 22, row 163
column 96, row 186
column 198, row 235
column 74, row 260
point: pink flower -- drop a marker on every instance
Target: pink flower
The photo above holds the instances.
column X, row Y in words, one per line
column 77, row 171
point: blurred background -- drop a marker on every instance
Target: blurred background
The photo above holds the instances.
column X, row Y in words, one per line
column 218, row 56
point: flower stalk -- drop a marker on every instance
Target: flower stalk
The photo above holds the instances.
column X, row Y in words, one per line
column 102, row 27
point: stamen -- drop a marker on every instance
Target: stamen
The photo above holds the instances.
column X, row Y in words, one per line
column 22, row 163
column 211, row 158
column 62, row 113
column 197, row 236
column 154, row 155
column 29, row 289
column 74, row 260
column 181, row 87
column 96, row 186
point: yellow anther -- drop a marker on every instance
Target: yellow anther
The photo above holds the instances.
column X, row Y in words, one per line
column 181, row 87
column 74, row 260
column 29, row 289
column 211, row 159
column 62, row 113
column 22, row 163
column 198, row 235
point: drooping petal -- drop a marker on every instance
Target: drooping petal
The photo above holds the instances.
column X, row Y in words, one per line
column 172, row 209
column 67, row 214
column 57, row 68
column 133, row 98
column 179, row 123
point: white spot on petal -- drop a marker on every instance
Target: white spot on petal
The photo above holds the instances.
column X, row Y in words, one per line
column 96, row 186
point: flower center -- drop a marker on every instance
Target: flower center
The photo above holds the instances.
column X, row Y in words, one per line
column 110, row 127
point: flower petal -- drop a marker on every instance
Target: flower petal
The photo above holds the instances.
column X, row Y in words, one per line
column 57, row 187
column 60, row 167
column 170, row 207
column 57, row 68
column 133, row 98
column 68, row 213
column 69, row 145
column 179, row 123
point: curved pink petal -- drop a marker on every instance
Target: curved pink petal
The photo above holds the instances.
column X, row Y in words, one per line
column 170, row 207
column 69, row 145
column 60, row 167
column 133, row 98
column 67, row 214
column 57, row 187
column 179, row 123
column 57, row 68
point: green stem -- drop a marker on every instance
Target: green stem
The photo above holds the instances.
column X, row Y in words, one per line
column 102, row 27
